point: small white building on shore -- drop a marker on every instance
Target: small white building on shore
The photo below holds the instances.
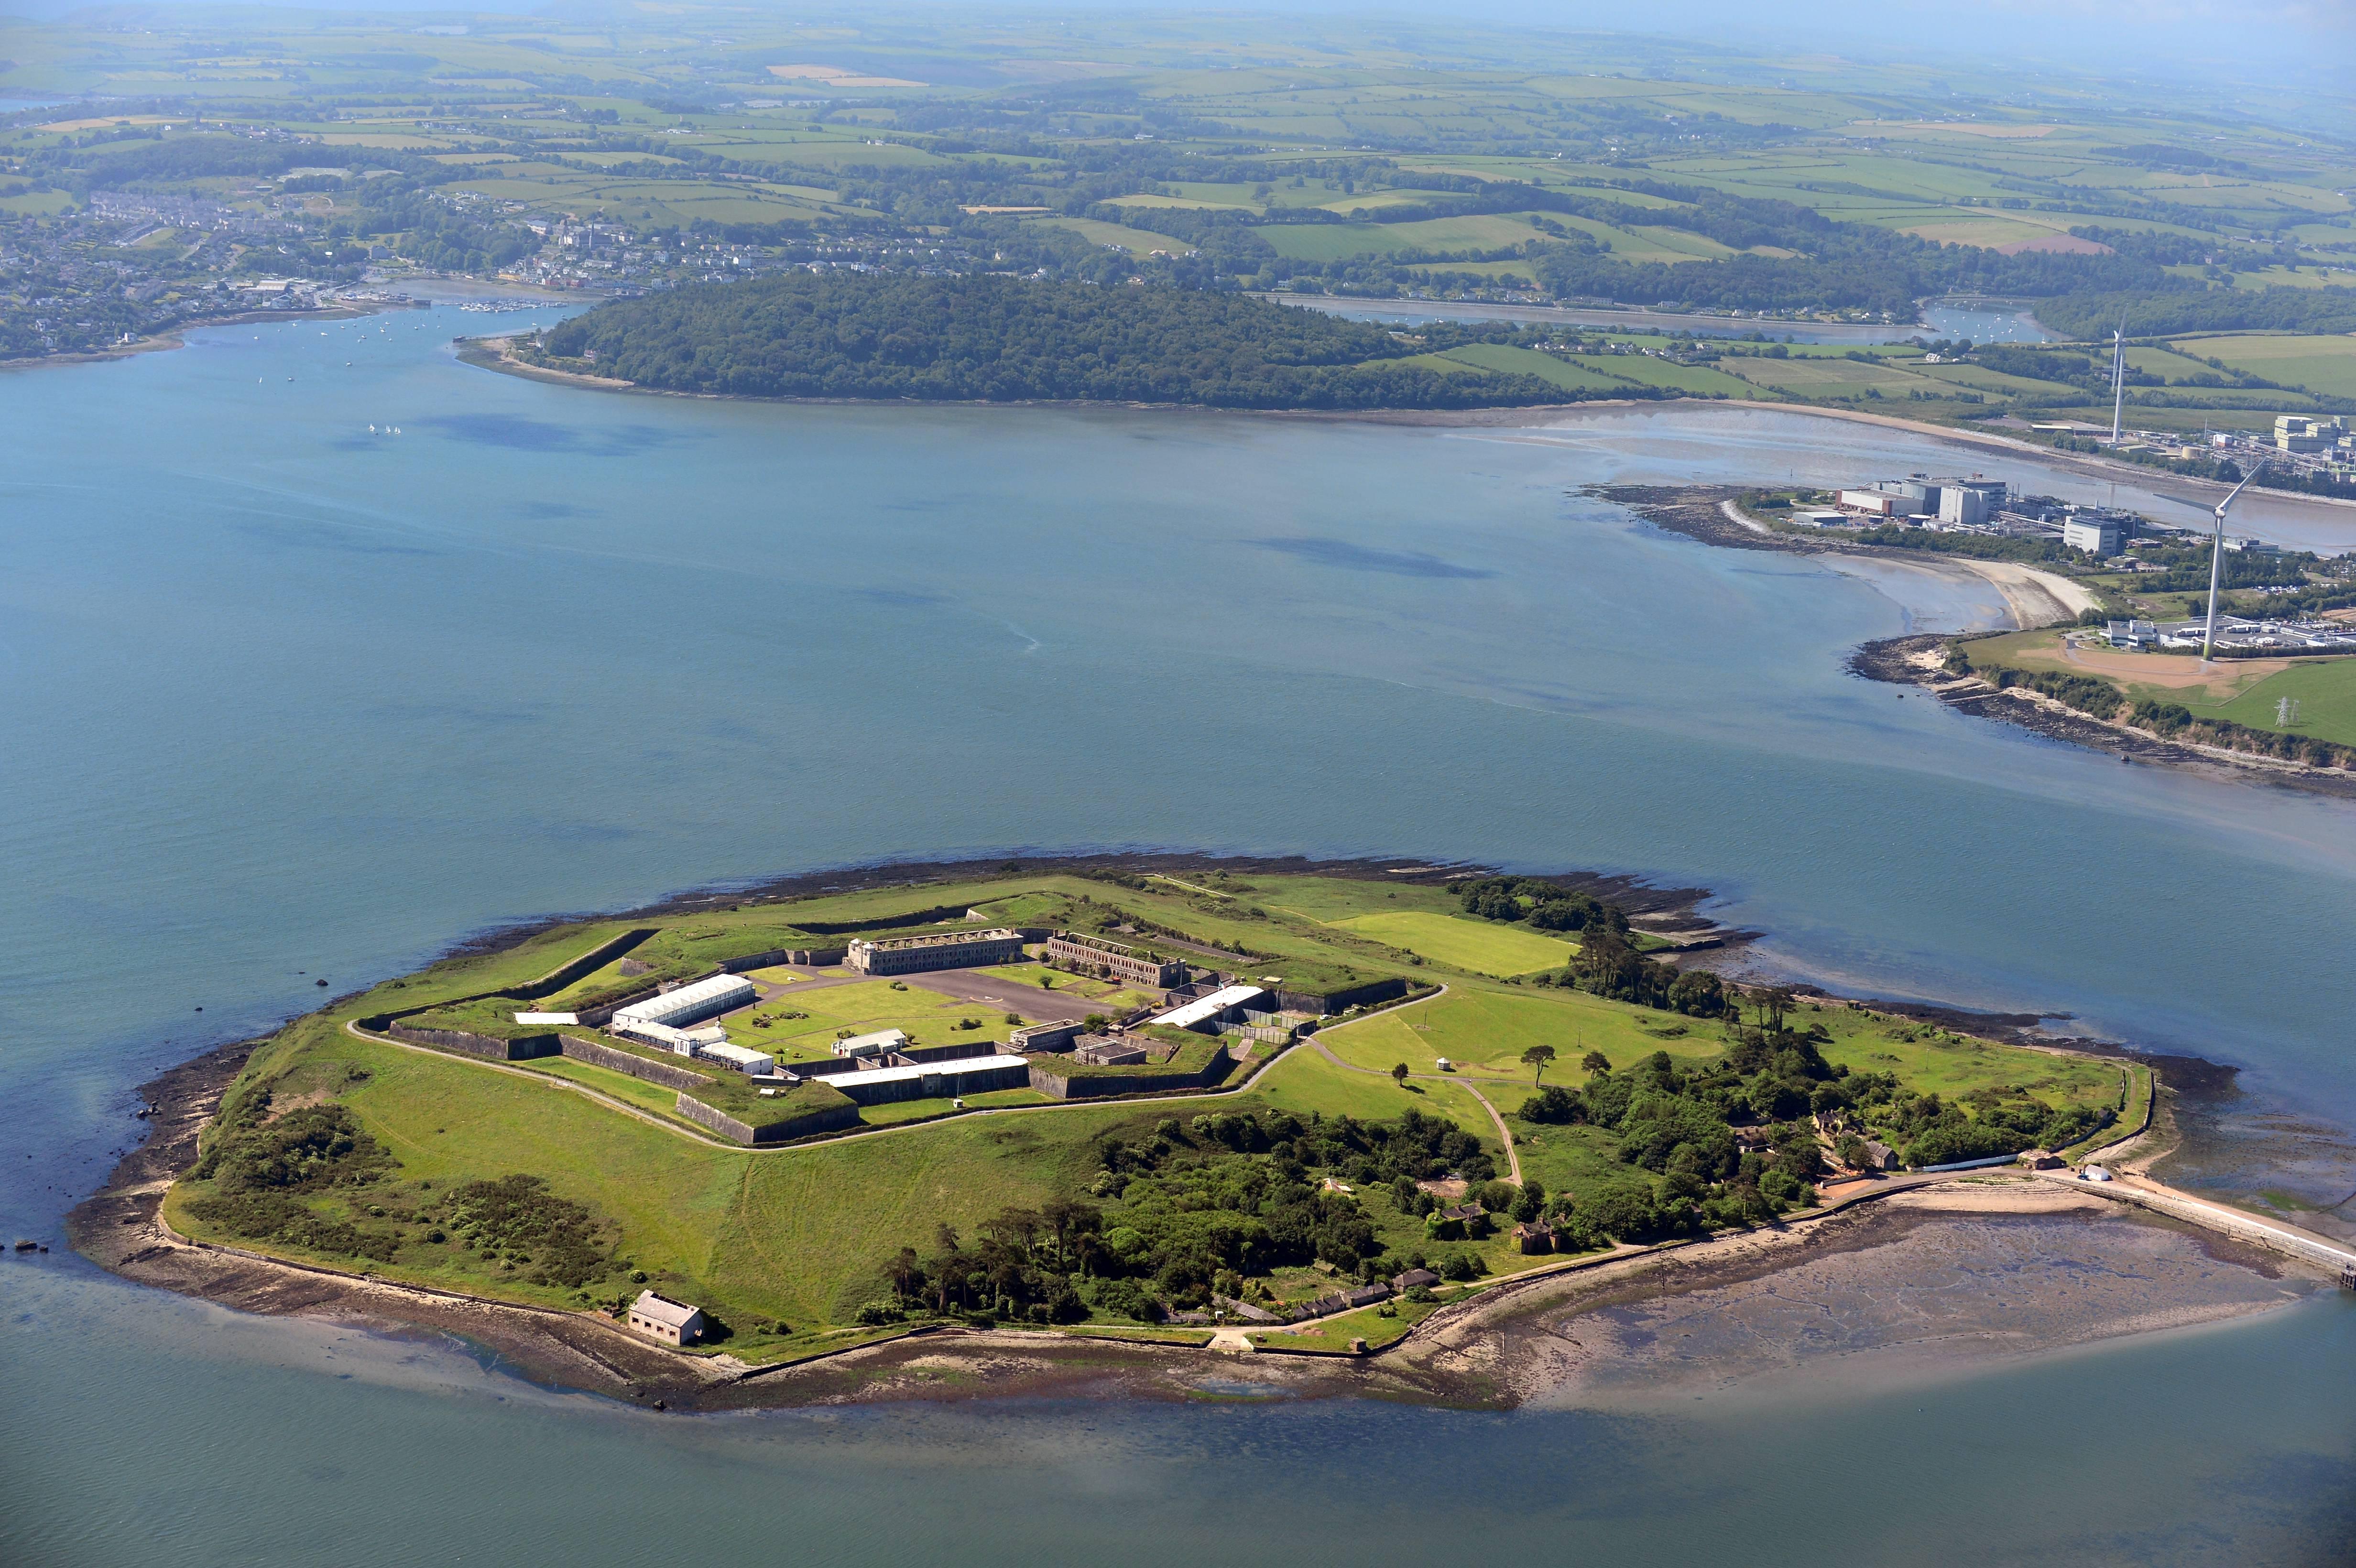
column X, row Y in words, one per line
column 661, row 1317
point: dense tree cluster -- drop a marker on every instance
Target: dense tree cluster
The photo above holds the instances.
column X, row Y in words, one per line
column 847, row 335
column 308, row 1149
column 1536, row 902
column 1609, row 963
column 437, row 235
column 2002, row 1121
column 1181, row 1213
column 1681, row 1122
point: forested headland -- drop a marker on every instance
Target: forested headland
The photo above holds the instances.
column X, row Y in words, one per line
column 999, row 339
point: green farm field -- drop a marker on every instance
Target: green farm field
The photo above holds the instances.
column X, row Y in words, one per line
column 2325, row 365
column 1646, row 370
column 1530, row 362
column 1477, row 945
column 1335, row 242
column 2325, row 691
column 1136, row 241
column 1832, row 378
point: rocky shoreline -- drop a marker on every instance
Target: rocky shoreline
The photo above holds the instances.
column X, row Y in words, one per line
column 1918, row 661
column 1700, row 512
column 1462, row 1356
column 1523, row 1341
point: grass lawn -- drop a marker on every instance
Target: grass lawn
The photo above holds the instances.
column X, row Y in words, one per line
column 1979, row 379
column 1443, row 364
column 1952, row 1064
column 927, row 1017
column 596, row 980
column 1570, row 1159
column 1334, row 1334
column 621, row 1086
column 1485, row 1031
column 788, row 1235
column 1817, row 378
column 1335, row 898
column 1303, row 1081
column 1478, row 946
column 2135, row 1109
column 899, row 1111
column 1139, row 1334
column 2325, row 691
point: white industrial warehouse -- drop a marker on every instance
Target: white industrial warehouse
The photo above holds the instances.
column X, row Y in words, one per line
column 661, row 1022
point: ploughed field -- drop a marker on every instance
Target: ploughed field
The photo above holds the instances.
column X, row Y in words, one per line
column 1645, row 1105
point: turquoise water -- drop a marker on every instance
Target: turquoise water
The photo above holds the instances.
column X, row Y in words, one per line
column 289, row 700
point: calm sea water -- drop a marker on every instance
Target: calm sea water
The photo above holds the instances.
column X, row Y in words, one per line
column 288, row 698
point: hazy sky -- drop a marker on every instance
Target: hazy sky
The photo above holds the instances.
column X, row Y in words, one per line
column 2311, row 40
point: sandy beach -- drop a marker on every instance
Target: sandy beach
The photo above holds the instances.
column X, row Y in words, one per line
column 2034, row 598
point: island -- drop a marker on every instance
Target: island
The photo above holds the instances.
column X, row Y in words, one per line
column 1119, row 1104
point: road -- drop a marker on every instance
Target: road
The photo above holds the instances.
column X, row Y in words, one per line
column 2127, row 1187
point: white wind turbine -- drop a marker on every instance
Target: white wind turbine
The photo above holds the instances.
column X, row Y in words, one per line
column 2118, row 377
column 2216, row 562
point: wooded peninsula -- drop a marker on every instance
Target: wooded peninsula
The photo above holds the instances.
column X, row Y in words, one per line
column 998, row 339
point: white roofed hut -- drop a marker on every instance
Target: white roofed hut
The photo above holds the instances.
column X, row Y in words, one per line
column 757, row 1063
column 880, row 1042
column 661, row 1317
column 1204, row 1016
